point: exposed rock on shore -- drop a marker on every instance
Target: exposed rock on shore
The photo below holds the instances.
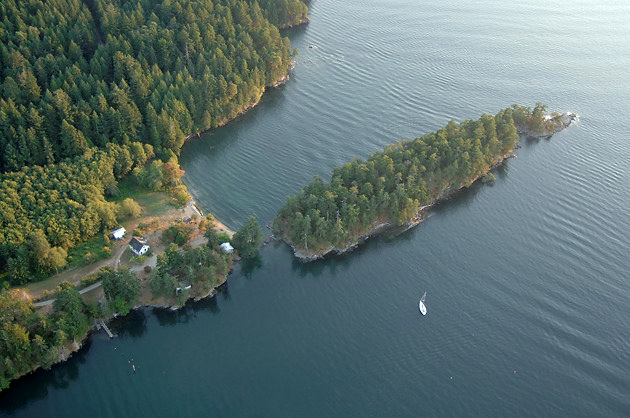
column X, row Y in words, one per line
column 554, row 123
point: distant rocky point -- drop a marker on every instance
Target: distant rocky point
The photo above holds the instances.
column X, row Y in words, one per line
column 553, row 123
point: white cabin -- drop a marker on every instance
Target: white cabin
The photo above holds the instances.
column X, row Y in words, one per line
column 227, row 247
column 138, row 246
column 119, row 233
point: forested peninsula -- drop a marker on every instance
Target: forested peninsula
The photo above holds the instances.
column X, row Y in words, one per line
column 94, row 93
column 393, row 188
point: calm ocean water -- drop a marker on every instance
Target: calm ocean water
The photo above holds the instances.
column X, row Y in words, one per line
column 527, row 278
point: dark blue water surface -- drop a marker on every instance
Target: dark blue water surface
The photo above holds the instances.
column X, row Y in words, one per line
column 527, row 278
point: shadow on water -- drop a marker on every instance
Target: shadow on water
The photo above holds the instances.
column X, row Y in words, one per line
column 531, row 141
column 222, row 138
column 169, row 317
column 224, row 291
column 133, row 325
column 335, row 264
column 331, row 264
column 35, row 386
column 208, row 304
column 501, row 171
column 249, row 265
column 461, row 198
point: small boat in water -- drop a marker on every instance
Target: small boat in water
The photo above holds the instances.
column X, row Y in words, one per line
column 423, row 309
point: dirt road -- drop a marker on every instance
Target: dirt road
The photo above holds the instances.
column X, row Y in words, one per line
column 121, row 257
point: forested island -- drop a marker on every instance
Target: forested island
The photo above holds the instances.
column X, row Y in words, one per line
column 98, row 92
column 393, row 188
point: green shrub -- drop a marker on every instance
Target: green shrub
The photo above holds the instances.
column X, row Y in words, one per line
column 89, row 280
column 137, row 259
column 181, row 194
column 178, row 233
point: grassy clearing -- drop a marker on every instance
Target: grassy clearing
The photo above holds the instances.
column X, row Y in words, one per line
column 93, row 295
column 38, row 289
column 88, row 257
column 127, row 187
column 153, row 203
column 88, row 252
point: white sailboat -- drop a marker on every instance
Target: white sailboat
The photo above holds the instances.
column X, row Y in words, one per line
column 423, row 309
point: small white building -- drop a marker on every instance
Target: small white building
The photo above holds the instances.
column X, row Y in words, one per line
column 138, row 246
column 183, row 285
column 119, row 233
column 227, row 247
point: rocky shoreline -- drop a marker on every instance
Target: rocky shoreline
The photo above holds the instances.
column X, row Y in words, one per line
column 381, row 228
column 174, row 306
column 556, row 123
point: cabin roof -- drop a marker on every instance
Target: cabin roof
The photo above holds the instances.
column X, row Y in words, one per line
column 137, row 243
column 227, row 247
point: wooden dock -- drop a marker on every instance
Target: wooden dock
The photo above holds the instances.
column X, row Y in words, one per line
column 101, row 323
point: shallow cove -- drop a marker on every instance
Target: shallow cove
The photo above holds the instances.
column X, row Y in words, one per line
column 528, row 274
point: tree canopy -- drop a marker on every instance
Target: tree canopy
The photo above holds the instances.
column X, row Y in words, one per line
column 79, row 74
column 248, row 239
column 44, row 211
column 204, row 267
column 93, row 90
column 392, row 185
column 121, row 288
column 29, row 340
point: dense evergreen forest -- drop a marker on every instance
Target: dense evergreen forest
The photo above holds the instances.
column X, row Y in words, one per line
column 29, row 340
column 93, row 89
column 284, row 13
column 87, row 73
column 391, row 186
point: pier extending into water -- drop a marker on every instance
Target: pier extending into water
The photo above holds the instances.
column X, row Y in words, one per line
column 102, row 324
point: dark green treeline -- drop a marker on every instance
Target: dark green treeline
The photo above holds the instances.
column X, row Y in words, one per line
column 30, row 340
column 284, row 13
column 391, row 186
column 77, row 74
column 90, row 90
column 46, row 210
